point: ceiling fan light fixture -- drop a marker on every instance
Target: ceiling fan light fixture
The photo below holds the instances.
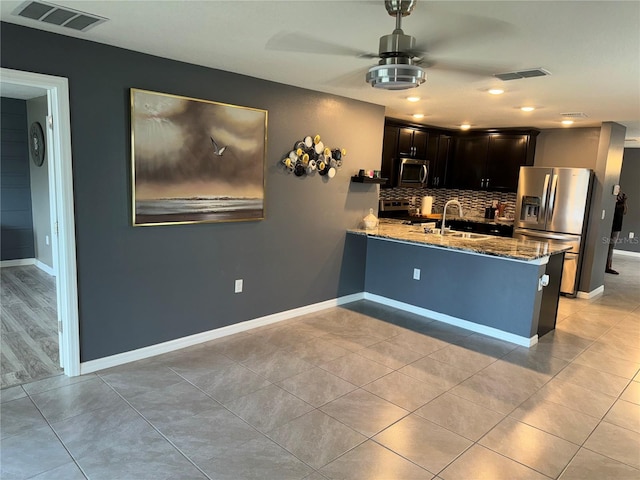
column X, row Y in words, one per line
column 396, row 77
column 527, row 108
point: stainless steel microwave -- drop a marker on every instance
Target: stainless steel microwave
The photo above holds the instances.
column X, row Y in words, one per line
column 413, row 172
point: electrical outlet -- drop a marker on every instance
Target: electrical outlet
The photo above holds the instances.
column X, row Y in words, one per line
column 631, row 235
column 238, row 286
column 416, row 274
column 543, row 281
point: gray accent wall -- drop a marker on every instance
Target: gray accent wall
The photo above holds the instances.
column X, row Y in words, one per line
column 462, row 285
column 567, row 147
column 146, row 285
column 630, row 184
column 15, row 191
column 37, row 111
column 608, row 167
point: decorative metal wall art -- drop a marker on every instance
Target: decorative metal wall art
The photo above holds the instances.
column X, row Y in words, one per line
column 311, row 155
column 195, row 161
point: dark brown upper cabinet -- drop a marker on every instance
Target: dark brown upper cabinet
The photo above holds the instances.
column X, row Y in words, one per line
column 388, row 168
column 467, row 170
column 491, row 160
column 402, row 140
column 473, row 160
column 412, row 143
column 507, row 153
column 438, row 155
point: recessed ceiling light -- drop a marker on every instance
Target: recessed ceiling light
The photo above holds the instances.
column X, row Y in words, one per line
column 527, row 109
column 567, row 122
column 496, row 91
column 413, row 99
column 465, row 126
column 418, row 115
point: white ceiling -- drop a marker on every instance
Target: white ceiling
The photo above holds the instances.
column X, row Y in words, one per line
column 21, row 92
column 591, row 48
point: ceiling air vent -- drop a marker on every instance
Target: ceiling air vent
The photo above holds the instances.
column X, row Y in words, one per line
column 574, row 115
column 57, row 15
column 529, row 73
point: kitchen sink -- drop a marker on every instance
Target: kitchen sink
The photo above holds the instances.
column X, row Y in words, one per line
column 466, row 235
column 452, row 233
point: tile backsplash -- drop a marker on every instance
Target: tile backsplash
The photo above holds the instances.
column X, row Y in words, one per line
column 473, row 202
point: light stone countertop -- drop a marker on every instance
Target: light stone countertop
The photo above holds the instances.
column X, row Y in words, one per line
column 508, row 248
column 480, row 219
column 469, row 218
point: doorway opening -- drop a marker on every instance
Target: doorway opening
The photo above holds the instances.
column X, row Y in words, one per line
column 57, row 136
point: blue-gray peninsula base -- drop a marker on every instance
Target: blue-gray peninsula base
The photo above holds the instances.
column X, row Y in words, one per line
column 493, row 286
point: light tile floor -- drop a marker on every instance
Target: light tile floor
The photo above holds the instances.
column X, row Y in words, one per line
column 358, row 392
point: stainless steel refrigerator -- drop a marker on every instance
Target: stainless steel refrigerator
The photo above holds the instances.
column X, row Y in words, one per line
column 552, row 205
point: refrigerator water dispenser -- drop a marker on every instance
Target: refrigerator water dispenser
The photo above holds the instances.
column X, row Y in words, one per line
column 530, row 210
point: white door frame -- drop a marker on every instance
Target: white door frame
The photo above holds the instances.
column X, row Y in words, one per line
column 62, row 208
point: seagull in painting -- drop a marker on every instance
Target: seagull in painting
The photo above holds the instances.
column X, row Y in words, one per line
column 216, row 149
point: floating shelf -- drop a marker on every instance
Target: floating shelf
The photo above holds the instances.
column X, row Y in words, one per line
column 359, row 179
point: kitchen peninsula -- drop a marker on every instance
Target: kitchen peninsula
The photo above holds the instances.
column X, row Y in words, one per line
column 491, row 285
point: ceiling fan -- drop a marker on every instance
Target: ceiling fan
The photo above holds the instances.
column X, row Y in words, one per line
column 402, row 62
column 398, row 68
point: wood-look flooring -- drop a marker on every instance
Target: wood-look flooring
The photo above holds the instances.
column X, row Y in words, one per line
column 28, row 325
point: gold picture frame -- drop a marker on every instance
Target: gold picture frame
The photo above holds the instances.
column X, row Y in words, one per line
column 195, row 161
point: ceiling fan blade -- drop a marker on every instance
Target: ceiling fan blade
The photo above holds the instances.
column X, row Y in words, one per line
column 467, row 28
column 303, row 43
column 470, row 69
column 353, row 79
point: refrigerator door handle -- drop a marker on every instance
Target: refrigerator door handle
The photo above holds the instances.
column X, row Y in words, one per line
column 545, row 191
column 552, row 197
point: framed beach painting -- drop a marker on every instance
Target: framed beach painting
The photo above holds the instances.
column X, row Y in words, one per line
column 195, row 161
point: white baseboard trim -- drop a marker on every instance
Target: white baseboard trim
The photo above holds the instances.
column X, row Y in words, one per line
column 45, row 268
column 458, row 322
column 626, row 253
column 166, row 347
column 20, row 262
column 591, row 294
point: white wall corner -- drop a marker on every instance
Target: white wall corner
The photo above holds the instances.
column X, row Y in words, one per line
column 45, row 268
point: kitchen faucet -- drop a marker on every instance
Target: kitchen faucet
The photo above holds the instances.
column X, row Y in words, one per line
column 444, row 212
